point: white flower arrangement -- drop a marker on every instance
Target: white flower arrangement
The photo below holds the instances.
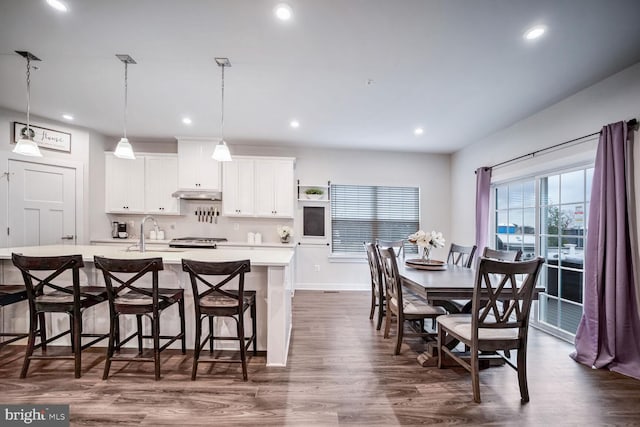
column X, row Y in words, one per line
column 427, row 241
column 284, row 231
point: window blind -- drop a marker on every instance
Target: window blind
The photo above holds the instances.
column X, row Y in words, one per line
column 361, row 213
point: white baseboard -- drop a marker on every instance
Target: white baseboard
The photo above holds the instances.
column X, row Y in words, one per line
column 333, row 286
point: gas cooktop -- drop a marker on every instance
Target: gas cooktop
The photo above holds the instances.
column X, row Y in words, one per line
column 196, row 242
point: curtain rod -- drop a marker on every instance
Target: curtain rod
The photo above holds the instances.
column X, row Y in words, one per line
column 631, row 124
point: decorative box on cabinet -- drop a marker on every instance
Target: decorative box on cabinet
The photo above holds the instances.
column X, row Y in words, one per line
column 197, row 170
column 124, row 185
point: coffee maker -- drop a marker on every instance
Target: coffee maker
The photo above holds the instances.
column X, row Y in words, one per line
column 119, row 230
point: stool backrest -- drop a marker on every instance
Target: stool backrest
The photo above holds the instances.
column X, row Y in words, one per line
column 230, row 269
column 36, row 286
column 116, row 271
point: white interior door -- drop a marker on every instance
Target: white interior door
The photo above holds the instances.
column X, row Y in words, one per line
column 42, row 204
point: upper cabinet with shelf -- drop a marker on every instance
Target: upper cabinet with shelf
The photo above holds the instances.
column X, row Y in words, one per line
column 258, row 187
column 143, row 185
column 314, row 193
column 197, row 170
column 124, row 185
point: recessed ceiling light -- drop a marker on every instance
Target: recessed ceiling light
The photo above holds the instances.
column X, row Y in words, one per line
column 283, row 12
column 67, row 116
column 418, row 131
column 294, row 124
column 535, row 32
column 57, row 5
column 186, row 120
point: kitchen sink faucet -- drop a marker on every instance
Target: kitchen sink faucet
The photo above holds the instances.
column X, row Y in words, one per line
column 155, row 226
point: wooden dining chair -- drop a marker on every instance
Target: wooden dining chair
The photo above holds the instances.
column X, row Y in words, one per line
column 377, row 284
column 51, row 295
column 128, row 298
column 405, row 306
column 502, row 255
column 226, row 298
column 488, row 328
column 397, row 245
column 461, row 255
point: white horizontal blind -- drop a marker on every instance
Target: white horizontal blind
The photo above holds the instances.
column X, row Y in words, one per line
column 361, row 213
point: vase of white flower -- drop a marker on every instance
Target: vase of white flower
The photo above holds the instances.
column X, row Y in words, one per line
column 426, row 242
column 285, row 232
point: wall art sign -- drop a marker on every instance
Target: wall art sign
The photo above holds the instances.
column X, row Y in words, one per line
column 45, row 138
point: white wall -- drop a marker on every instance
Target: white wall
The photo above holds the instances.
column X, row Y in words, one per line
column 79, row 156
column 611, row 100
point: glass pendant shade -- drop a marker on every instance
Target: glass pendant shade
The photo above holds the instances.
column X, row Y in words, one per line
column 124, row 150
column 221, row 152
column 27, row 147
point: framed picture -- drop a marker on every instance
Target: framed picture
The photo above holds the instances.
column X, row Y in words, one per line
column 45, row 138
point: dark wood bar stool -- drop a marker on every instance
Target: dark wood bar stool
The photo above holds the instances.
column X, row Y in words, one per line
column 127, row 299
column 11, row 294
column 47, row 297
column 214, row 301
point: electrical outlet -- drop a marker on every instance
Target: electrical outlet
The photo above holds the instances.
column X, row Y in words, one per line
column 172, row 226
column 316, row 267
column 236, row 226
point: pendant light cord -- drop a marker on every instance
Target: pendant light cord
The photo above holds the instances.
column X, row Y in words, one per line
column 125, row 96
column 222, row 115
column 28, row 136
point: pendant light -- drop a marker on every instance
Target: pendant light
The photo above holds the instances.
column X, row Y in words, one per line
column 124, row 149
column 221, row 152
column 26, row 145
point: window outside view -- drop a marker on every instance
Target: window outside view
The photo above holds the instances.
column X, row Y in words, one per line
column 547, row 215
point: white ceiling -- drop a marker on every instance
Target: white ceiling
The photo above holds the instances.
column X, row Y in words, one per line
column 459, row 68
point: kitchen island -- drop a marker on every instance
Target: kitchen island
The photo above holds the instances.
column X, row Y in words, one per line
column 271, row 277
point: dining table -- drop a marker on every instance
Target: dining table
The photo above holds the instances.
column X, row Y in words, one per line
column 450, row 287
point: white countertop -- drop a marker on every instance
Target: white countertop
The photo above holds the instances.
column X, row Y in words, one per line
column 258, row 256
column 289, row 245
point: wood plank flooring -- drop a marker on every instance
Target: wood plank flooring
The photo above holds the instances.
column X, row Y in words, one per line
column 341, row 371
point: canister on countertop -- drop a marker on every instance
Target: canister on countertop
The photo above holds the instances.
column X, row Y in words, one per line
column 251, row 238
column 258, row 239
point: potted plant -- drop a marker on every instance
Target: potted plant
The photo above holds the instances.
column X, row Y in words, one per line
column 314, row 193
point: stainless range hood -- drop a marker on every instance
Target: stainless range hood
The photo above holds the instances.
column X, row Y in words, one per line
column 197, row 195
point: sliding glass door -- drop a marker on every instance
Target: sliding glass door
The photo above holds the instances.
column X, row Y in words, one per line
column 547, row 216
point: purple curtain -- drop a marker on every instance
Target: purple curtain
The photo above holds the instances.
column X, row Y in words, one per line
column 609, row 332
column 483, row 194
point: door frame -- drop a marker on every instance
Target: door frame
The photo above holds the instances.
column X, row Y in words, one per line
column 5, row 157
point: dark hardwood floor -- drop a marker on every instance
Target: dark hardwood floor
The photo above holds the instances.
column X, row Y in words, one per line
column 340, row 371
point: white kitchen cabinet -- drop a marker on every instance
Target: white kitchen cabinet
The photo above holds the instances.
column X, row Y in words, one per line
column 124, row 184
column 258, row 187
column 238, row 187
column 274, row 187
column 197, row 170
column 161, row 180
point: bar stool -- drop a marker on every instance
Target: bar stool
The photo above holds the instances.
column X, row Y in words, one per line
column 216, row 301
column 127, row 299
column 72, row 300
column 11, row 294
